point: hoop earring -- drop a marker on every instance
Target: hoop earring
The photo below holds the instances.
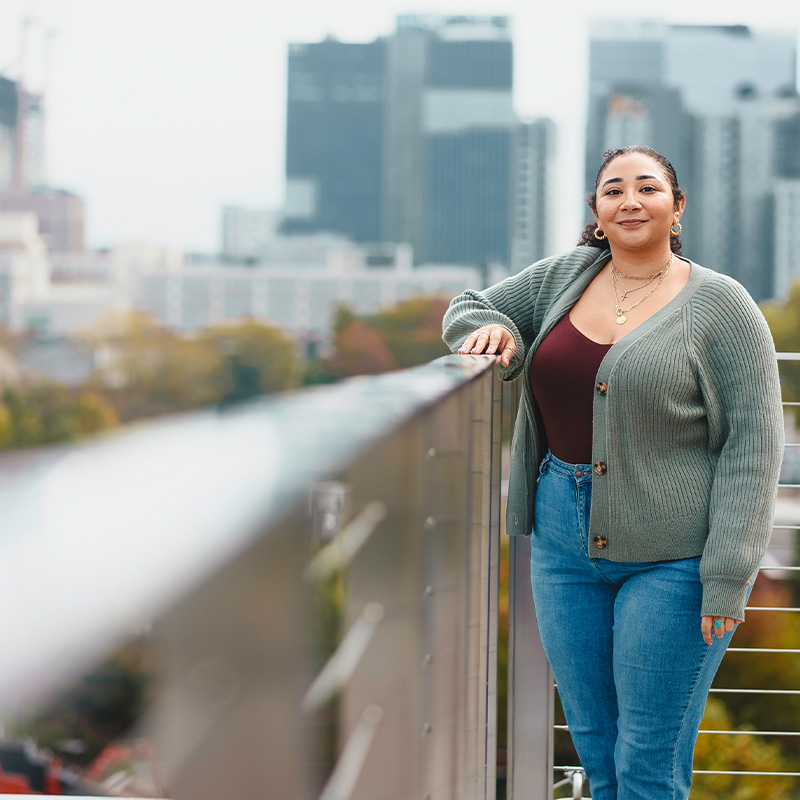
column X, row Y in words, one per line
column 673, row 232
column 599, row 234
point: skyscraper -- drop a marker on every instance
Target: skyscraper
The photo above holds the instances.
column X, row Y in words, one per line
column 787, row 236
column 334, row 138
column 711, row 98
column 21, row 151
column 450, row 132
column 531, row 210
column 412, row 139
column 8, row 128
column 735, row 170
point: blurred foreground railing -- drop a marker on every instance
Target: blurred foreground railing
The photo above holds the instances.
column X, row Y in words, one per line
column 315, row 576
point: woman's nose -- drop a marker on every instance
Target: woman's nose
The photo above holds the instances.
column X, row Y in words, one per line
column 630, row 201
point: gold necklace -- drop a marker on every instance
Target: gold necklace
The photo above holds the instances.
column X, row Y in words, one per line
column 621, row 312
column 625, row 292
column 640, row 277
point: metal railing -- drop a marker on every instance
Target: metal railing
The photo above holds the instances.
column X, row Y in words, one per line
column 316, row 576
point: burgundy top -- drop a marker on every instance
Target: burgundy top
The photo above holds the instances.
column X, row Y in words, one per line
column 563, row 373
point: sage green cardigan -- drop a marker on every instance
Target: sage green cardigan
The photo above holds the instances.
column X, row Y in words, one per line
column 687, row 437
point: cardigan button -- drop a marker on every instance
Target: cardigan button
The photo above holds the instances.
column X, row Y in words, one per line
column 600, row 468
column 602, row 388
column 516, row 519
column 600, row 542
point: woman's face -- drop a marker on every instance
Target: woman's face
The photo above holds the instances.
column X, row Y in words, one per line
column 635, row 206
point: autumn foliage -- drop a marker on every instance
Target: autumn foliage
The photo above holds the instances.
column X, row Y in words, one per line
column 396, row 338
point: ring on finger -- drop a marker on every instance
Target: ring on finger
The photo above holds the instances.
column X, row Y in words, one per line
column 718, row 623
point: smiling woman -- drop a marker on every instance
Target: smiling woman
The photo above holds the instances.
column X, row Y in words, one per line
column 637, row 206
column 644, row 466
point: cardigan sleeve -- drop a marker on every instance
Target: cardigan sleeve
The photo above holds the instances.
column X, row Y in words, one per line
column 517, row 303
column 508, row 303
column 738, row 374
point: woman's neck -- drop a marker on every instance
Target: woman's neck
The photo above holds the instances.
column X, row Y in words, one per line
column 640, row 264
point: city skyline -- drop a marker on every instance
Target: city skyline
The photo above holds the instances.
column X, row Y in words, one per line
column 162, row 152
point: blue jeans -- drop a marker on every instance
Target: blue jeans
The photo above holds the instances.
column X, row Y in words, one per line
column 624, row 643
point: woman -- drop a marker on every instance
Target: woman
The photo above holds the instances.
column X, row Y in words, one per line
column 644, row 463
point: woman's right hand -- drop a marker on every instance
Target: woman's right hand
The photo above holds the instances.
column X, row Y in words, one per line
column 490, row 339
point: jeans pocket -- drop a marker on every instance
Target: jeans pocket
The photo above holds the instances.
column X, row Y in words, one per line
column 543, row 468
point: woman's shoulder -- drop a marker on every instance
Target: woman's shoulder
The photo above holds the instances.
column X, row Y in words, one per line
column 721, row 304
column 715, row 287
column 582, row 256
column 567, row 264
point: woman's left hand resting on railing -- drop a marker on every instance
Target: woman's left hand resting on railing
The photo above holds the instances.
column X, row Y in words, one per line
column 490, row 339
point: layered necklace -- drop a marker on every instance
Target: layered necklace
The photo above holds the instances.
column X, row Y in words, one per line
column 616, row 274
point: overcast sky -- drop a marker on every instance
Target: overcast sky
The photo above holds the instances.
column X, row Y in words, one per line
column 161, row 111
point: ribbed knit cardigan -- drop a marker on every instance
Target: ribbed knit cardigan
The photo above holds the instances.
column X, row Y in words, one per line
column 688, row 436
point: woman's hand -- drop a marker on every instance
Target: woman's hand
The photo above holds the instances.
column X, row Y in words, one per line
column 708, row 627
column 490, row 339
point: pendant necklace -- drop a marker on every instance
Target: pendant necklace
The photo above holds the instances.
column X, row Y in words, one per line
column 621, row 312
column 626, row 292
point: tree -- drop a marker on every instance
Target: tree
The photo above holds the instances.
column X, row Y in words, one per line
column 257, row 359
column 736, row 752
column 360, row 350
column 25, row 427
column 412, row 330
column 404, row 336
column 775, row 671
column 51, row 403
column 92, row 414
column 149, row 371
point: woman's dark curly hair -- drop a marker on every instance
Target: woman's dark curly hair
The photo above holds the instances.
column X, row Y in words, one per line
column 587, row 237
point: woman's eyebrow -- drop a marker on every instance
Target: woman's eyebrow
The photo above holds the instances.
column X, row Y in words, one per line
column 638, row 178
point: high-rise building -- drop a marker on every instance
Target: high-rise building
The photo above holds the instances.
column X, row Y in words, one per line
column 60, row 213
column 712, row 99
column 787, row 236
column 787, row 143
column 428, row 143
column 334, row 138
column 531, row 215
column 8, row 131
column 736, row 161
column 449, row 138
column 26, row 144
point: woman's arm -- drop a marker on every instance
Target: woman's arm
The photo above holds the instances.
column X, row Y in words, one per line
column 500, row 306
column 739, row 379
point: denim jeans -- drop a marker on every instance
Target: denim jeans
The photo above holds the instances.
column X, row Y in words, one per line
column 623, row 640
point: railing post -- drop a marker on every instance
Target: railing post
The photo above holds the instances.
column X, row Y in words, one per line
column 530, row 683
column 484, row 531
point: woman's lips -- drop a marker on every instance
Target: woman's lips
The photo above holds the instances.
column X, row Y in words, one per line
column 632, row 223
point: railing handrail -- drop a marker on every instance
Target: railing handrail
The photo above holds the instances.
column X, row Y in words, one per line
column 225, row 489
column 256, row 459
